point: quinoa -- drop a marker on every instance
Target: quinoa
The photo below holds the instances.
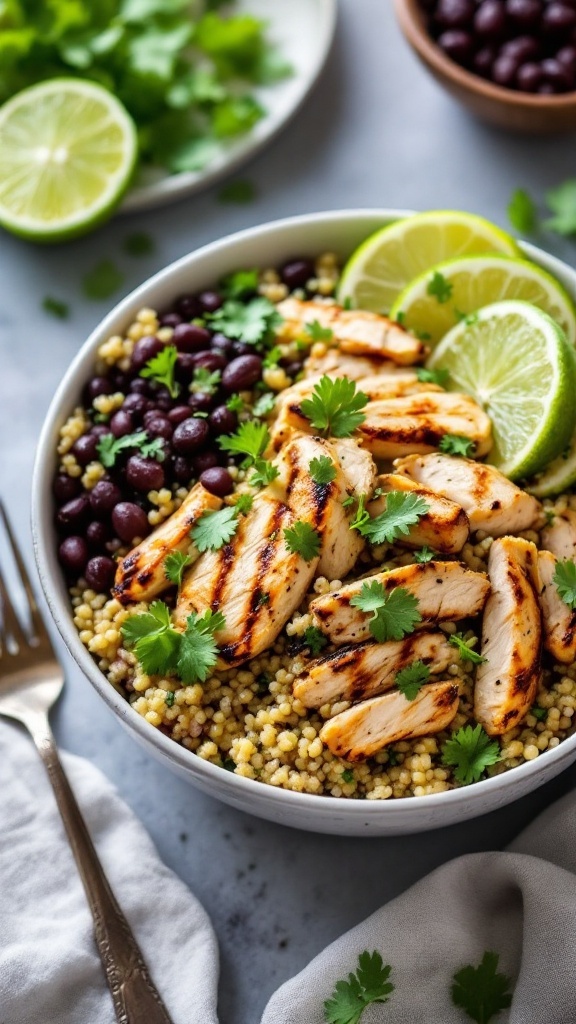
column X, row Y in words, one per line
column 246, row 719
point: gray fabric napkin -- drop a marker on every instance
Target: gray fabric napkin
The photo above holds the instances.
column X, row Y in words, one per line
column 520, row 904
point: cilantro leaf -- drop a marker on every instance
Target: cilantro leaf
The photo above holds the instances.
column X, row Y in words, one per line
column 314, row 639
column 403, row 510
column 272, row 357
column 109, row 447
column 334, row 408
column 410, row 679
column 426, row 376
column 139, row 243
column 240, row 284
column 522, row 211
column 424, row 555
column 264, row 473
column 361, row 516
column 249, row 322
column 562, row 202
column 198, row 649
column 454, row 444
column 465, row 648
column 265, row 404
column 470, row 751
column 204, row 381
column 155, row 641
column 317, row 332
column 174, row 565
column 243, row 504
column 322, row 470
column 235, row 403
column 214, row 529
column 302, row 539
column 56, row 307
column 439, row 287
column 369, row 984
column 169, row 698
column 251, row 439
column 539, row 713
column 565, row 579
column 102, row 281
column 237, row 192
column 482, row 992
column 395, row 614
column 161, row 369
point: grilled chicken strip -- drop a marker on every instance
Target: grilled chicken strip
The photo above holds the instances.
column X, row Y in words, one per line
column 507, row 682
column 559, row 536
column 356, row 332
column 558, row 619
column 140, row 574
column 446, row 591
column 444, row 527
column 356, row 464
column 367, row 727
column 491, row 502
column 403, row 425
column 335, row 363
column 363, row 670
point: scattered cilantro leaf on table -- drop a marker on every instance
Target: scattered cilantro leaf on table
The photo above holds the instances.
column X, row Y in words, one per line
column 174, row 565
column 482, row 992
column 394, row 614
column 318, row 333
column 102, row 281
column 466, row 649
column 426, row 376
column 239, row 191
column 454, row 444
column 410, row 679
column 370, row 983
column 214, row 529
column 109, row 447
column 322, row 470
column 439, row 287
column 335, row 407
column 565, row 579
column 314, row 639
column 424, row 555
column 302, row 539
column 56, row 307
column 522, row 211
column 251, row 439
column 161, row 368
column 251, row 322
column 239, row 284
column 402, row 511
column 470, row 751
column 562, row 202
column 204, row 381
column 139, row 243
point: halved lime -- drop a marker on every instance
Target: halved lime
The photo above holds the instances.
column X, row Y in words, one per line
column 443, row 295
column 386, row 262
column 558, row 476
column 516, row 362
column 67, row 153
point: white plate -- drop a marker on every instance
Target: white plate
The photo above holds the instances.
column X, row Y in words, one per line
column 303, row 30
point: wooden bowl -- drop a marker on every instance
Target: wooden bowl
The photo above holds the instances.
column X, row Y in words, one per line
column 515, row 111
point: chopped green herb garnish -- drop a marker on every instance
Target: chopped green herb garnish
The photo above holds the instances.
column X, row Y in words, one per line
column 539, row 713
column 251, row 439
column 317, row 332
column 522, row 212
column 334, row 407
column 272, row 358
column 426, row 376
column 410, row 679
column 302, row 539
column 102, row 281
column 239, row 191
column 322, row 470
column 240, row 284
column 174, row 565
column 466, row 648
column 160, row 648
column 348, row 303
column 370, row 983
column 214, row 529
column 109, row 447
column 454, row 444
column 204, row 381
column 315, row 640
column 361, row 516
column 161, row 368
column 235, row 403
column 250, row 322
column 228, row 764
column 439, row 287
column 264, row 473
column 169, row 698
column 56, row 307
column 394, row 614
column 470, row 751
column 565, row 579
column 424, row 555
column 401, row 317
column 403, row 510
column 481, row 991
column 139, row 244
column 243, row 504
column 263, row 599
column 347, row 775
column 198, row 649
column 265, row 404
column 562, row 202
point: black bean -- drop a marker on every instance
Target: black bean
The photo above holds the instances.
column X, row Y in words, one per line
column 218, row 481
column 144, row 474
column 294, row 368
column 504, row 70
column 135, row 404
column 557, row 75
column 200, row 402
column 484, row 60
column 74, row 512
column 99, row 430
column 204, row 460
column 185, row 367
column 160, row 426
column 222, row 344
column 73, row 554
column 97, row 533
column 210, row 361
column 144, row 350
column 97, row 386
column 222, row 420
column 210, row 301
column 121, row 423
column 130, row 521
column 177, row 414
column 85, row 449
column 182, row 469
column 566, row 56
column 99, row 573
column 457, row 44
column 524, row 14
column 191, row 338
column 66, row 487
column 189, row 436
column 296, row 273
column 529, row 77
column 490, row 19
column 240, row 348
column 522, row 48
column 188, row 307
column 454, row 13
column 170, row 319
column 139, row 386
column 103, row 496
column 242, row 373
column 558, row 18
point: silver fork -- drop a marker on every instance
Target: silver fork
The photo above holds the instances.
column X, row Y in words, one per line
column 30, row 682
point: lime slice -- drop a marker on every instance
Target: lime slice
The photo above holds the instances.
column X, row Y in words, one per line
column 67, row 153
column 438, row 299
column 558, row 476
column 515, row 361
column 386, row 262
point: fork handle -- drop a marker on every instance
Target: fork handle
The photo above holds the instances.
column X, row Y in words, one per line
column 136, row 999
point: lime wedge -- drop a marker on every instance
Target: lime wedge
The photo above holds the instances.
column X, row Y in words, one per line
column 516, row 362
column 558, row 476
column 439, row 298
column 386, row 262
column 67, row 153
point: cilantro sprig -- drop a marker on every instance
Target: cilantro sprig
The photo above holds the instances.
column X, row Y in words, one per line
column 302, row 539
column 110, row 447
column 251, row 322
column 251, row 440
column 522, row 211
column 394, row 614
column 335, row 407
column 264, row 473
column 565, row 580
column 204, row 381
column 482, row 992
column 470, row 751
column 161, row 368
column 369, row 983
column 162, row 649
column 316, row 332
column 455, row 444
column 426, row 376
column 425, row 554
column 215, row 528
column 174, row 565
column 439, row 287
column 315, row 640
column 466, row 648
column 403, row 510
column 322, row 470
column 410, row 679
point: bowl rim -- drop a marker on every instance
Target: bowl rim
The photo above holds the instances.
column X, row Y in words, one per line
column 41, row 499
column 411, row 19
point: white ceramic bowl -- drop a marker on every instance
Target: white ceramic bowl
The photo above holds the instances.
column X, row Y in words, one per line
column 261, row 246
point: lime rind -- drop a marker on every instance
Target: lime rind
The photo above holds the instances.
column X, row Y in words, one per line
column 478, row 281
column 515, row 361
column 381, row 267
column 68, row 149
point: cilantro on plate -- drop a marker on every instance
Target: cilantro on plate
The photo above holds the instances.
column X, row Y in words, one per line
column 139, row 243
column 426, row 376
column 302, row 539
column 162, row 367
column 565, row 579
column 394, row 614
column 322, row 470
column 162, row 649
column 251, row 322
column 239, row 191
column 214, row 529
column 403, row 510
column 470, row 751
column 102, row 281
column 204, row 381
column 335, row 407
column 482, row 992
column 454, row 444
column 265, row 404
column 522, row 211
column 56, row 307
column 318, row 333
column 315, row 640
column 425, row 554
column 110, row 447
column 174, row 565
column 264, row 473
column 409, row 680
column 239, row 284
column 562, row 202
column 251, row 439
column 466, row 648
column 370, row 983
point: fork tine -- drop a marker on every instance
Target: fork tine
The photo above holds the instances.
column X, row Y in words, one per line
column 35, row 617
column 10, row 628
